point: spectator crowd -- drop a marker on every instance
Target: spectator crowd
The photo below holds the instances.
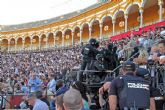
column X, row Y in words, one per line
column 32, row 72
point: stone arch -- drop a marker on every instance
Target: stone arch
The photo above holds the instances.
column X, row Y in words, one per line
column 117, row 12
column 95, row 29
column 58, row 38
column 85, row 32
column 68, row 37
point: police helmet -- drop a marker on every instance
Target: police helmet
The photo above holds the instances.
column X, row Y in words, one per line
column 110, row 46
column 97, row 44
column 99, row 57
column 129, row 66
column 92, row 41
column 144, row 73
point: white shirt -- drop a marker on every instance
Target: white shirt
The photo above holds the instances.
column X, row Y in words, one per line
column 40, row 105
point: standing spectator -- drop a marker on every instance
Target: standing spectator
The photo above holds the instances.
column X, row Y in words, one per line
column 52, row 84
column 34, row 83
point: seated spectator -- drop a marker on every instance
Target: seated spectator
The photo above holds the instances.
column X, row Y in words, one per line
column 61, row 89
column 39, row 95
column 73, row 100
column 24, row 103
column 24, row 88
column 162, row 60
column 161, row 47
column 36, row 103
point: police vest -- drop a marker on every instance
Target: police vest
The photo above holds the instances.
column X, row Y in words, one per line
column 87, row 52
column 135, row 93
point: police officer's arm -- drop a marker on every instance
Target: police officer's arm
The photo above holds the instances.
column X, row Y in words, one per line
column 152, row 104
column 112, row 102
column 113, row 94
column 152, row 100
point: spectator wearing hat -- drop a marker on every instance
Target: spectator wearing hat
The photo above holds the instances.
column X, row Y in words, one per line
column 72, row 100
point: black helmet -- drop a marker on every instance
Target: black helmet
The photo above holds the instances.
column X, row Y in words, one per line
column 97, row 44
column 92, row 41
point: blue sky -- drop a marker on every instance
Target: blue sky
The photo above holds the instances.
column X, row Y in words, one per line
column 22, row 11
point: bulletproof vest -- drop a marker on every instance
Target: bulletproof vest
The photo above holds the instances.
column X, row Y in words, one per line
column 87, row 52
column 135, row 93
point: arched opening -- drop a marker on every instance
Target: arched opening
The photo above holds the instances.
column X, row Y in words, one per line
column 68, row 37
column 107, row 28
column 35, row 42
column 4, row 44
column 120, row 22
column 85, row 33
column 27, row 43
column 133, row 17
column 76, row 35
column 58, row 39
column 151, row 12
column 12, row 44
column 19, row 43
column 95, row 29
column 43, row 41
column 51, row 40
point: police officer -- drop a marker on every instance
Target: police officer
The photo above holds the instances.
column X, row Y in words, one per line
column 89, row 53
column 98, row 65
column 110, row 58
column 130, row 91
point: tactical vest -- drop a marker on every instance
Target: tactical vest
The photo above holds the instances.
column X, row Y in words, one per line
column 135, row 93
column 88, row 53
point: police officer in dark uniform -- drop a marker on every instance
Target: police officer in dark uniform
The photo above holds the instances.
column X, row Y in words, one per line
column 130, row 91
column 89, row 53
column 111, row 61
column 98, row 65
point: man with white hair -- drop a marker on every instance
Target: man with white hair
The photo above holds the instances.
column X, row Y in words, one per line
column 72, row 100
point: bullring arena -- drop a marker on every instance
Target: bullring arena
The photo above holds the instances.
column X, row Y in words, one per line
column 52, row 47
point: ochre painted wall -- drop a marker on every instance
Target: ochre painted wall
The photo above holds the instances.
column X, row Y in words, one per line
column 150, row 15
